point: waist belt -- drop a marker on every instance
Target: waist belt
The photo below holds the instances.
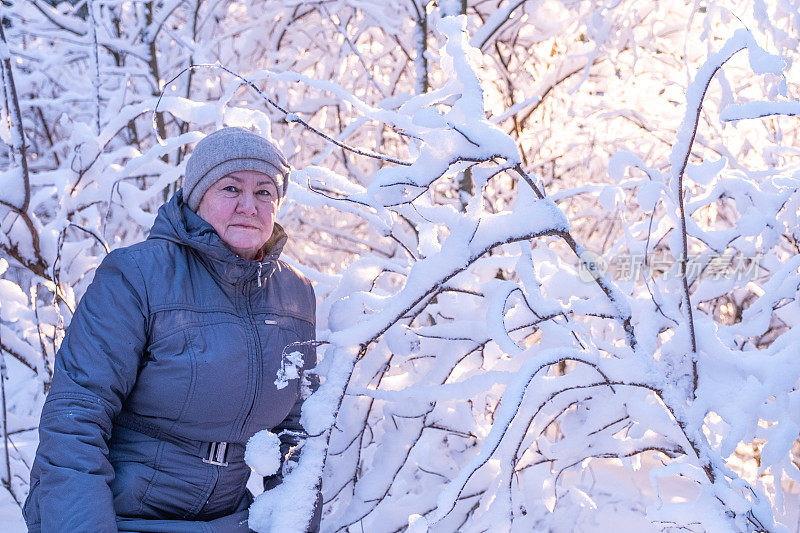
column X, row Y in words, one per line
column 213, row 453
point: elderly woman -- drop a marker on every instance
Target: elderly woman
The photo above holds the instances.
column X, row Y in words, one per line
column 169, row 364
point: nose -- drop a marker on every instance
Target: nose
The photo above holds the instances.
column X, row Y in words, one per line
column 246, row 205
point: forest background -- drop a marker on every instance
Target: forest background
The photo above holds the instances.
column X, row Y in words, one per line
column 554, row 242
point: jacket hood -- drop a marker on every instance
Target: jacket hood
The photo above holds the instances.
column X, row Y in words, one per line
column 177, row 223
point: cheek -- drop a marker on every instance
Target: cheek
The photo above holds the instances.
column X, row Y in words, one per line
column 223, row 211
column 216, row 213
column 267, row 216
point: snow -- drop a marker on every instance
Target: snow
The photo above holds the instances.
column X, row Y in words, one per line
column 263, row 453
column 12, row 186
column 706, row 171
column 751, row 110
column 291, row 363
column 417, row 524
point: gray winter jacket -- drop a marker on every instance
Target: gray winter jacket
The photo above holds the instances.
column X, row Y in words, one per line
column 166, row 370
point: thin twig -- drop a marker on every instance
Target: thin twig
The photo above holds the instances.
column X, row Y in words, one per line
column 679, row 174
column 38, row 266
column 18, row 145
column 93, row 234
column 47, row 380
column 94, row 62
column 290, row 117
column 7, row 479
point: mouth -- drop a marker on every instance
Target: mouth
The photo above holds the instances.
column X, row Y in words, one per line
column 244, row 226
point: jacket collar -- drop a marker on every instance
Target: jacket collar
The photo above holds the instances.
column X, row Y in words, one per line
column 176, row 222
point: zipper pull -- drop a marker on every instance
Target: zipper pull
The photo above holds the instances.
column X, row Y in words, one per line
column 259, row 273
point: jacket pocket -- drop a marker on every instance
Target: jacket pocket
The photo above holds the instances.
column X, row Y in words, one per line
column 221, row 352
column 131, row 483
column 134, row 457
column 162, row 387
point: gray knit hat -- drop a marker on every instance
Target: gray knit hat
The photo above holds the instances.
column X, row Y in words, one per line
column 228, row 150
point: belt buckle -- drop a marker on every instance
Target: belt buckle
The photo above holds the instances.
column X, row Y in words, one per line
column 216, row 454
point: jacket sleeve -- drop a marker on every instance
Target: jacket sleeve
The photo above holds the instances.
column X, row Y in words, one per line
column 95, row 370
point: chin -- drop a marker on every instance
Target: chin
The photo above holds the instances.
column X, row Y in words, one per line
column 243, row 244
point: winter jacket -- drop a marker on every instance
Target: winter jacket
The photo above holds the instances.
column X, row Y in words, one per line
column 166, row 370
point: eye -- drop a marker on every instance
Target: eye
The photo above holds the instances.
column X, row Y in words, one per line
column 230, row 188
column 264, row 192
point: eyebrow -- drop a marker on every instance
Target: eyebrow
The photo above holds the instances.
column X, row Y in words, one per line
column 239, row 180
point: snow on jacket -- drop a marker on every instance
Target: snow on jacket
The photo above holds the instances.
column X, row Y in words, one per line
column 175, row 346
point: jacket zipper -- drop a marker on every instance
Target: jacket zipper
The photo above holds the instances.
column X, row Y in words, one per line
column 256, row 346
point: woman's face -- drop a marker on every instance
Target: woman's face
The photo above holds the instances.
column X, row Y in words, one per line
column 241, row 208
